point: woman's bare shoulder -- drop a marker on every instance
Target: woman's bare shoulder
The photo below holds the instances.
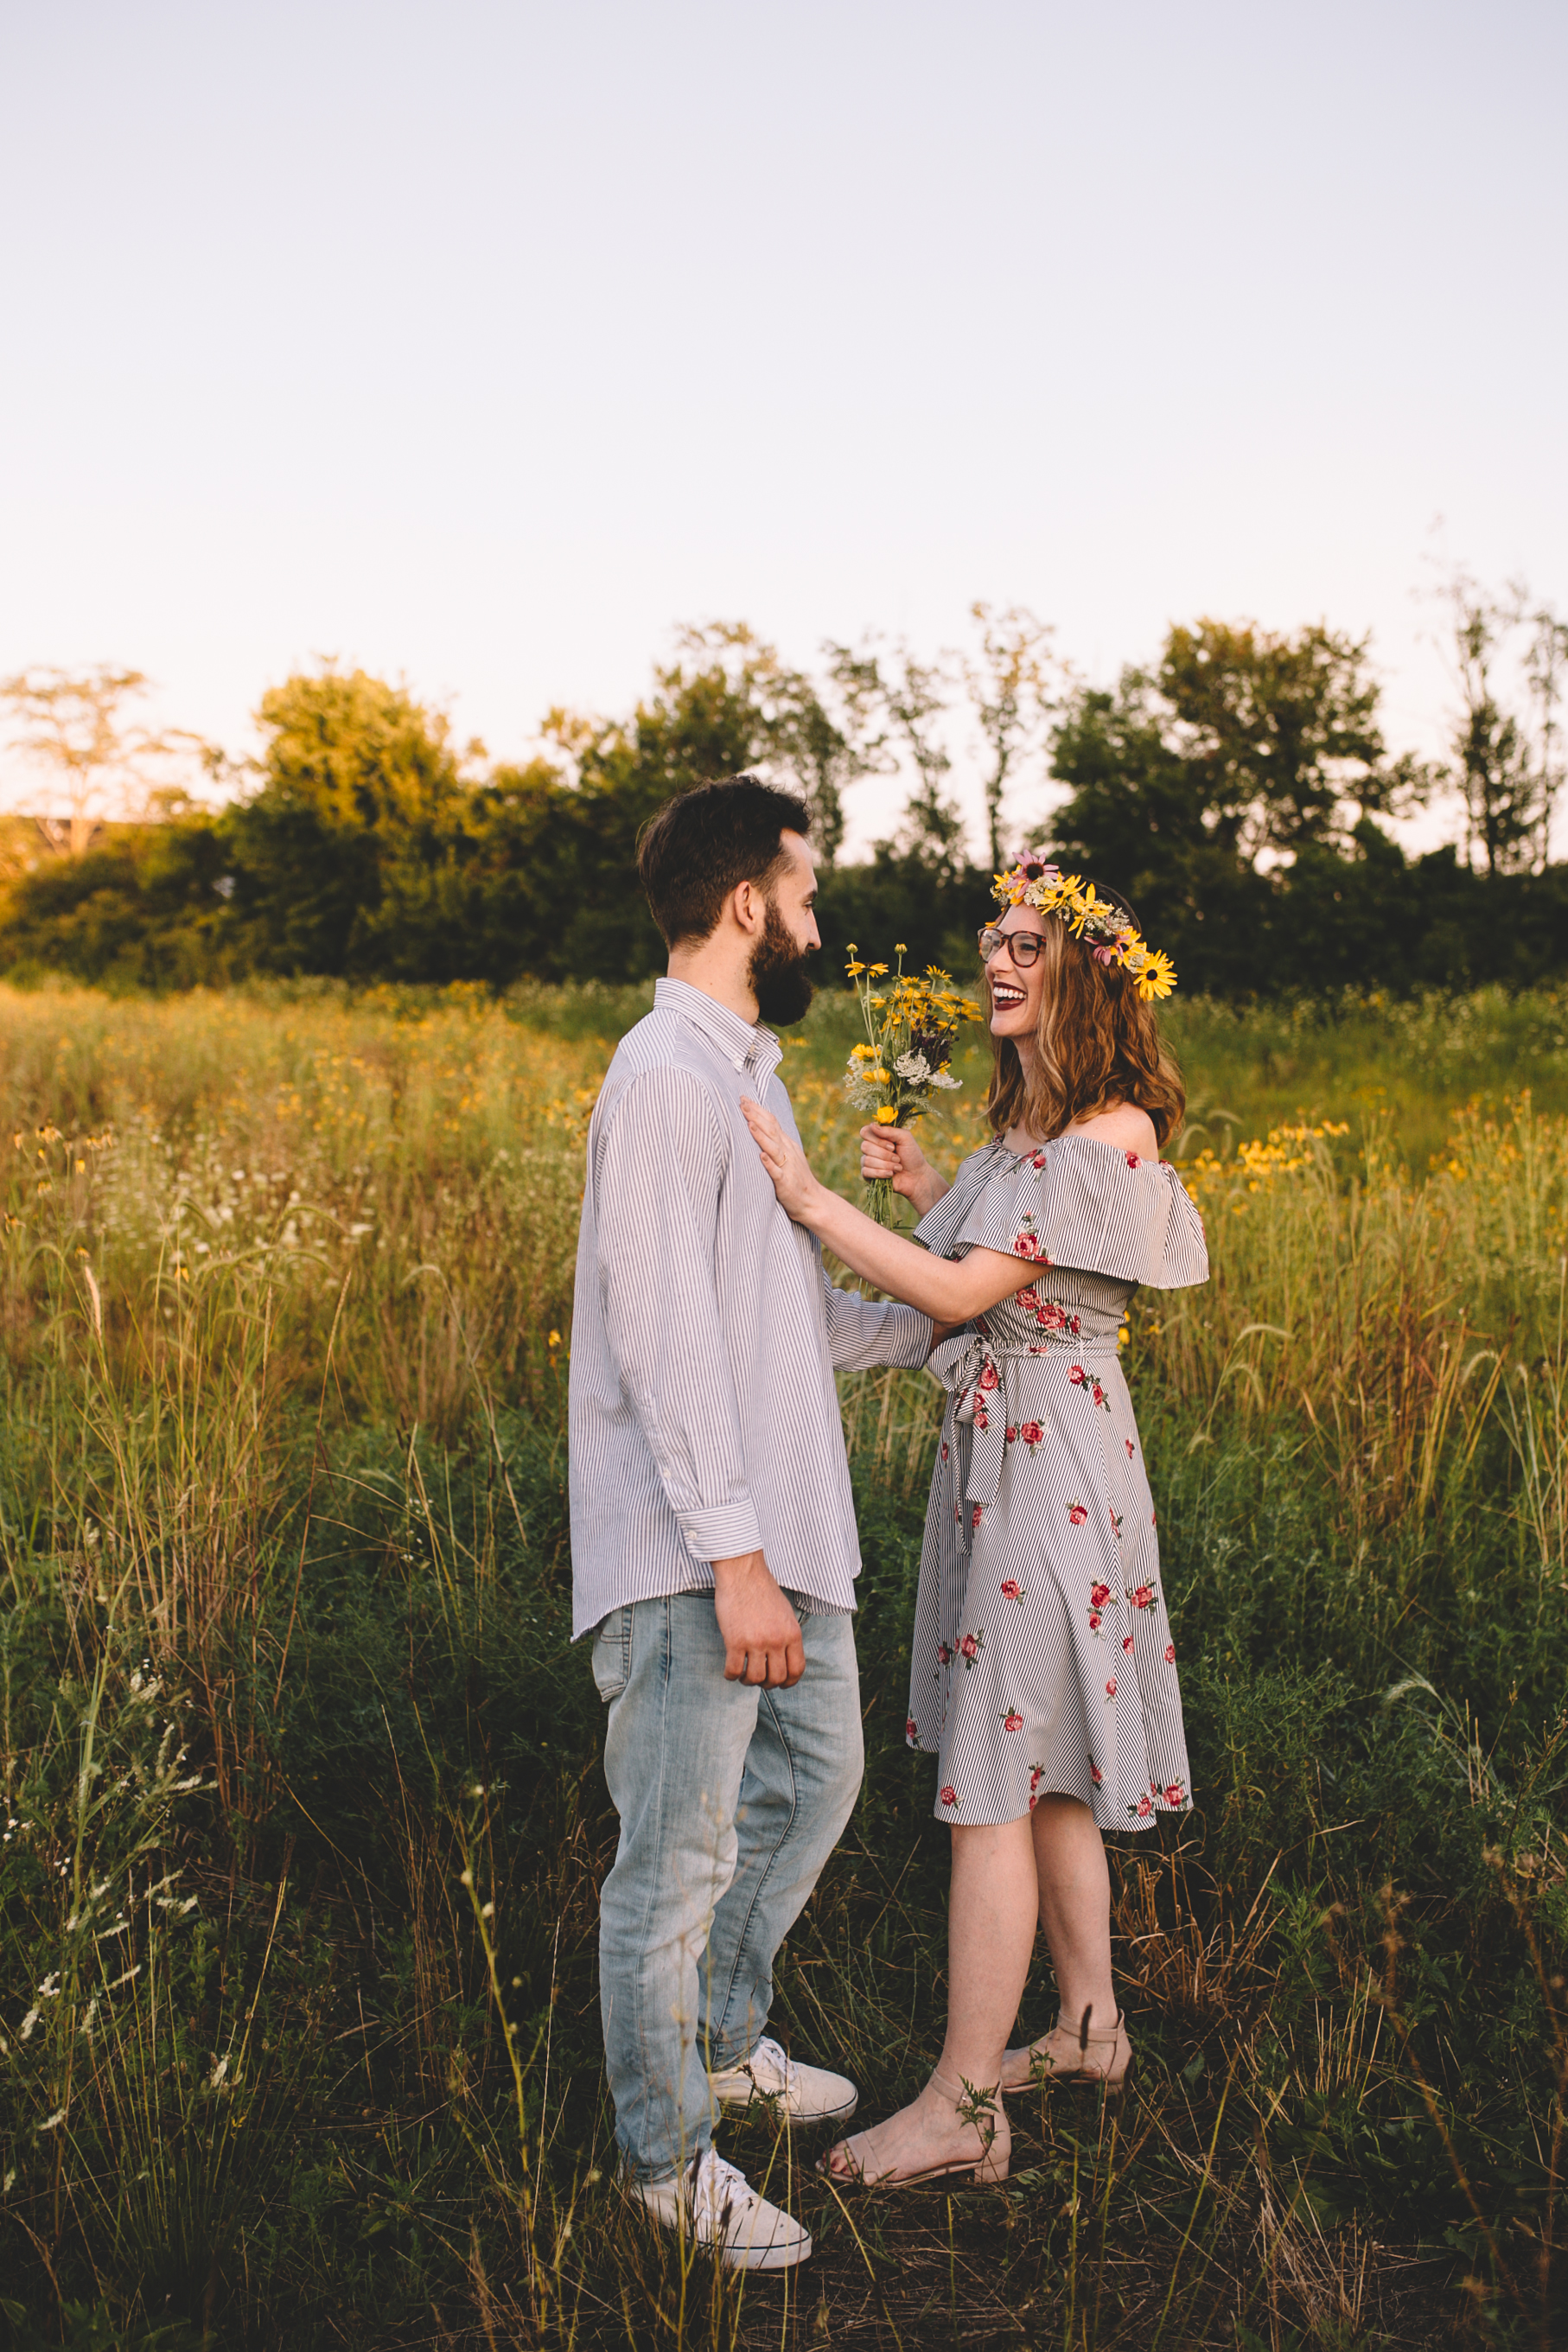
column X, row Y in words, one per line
column 1130, row 1128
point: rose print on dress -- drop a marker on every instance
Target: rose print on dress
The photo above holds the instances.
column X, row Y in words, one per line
column 1010, row 1588
column 912, row 1731
column 969, row 1646
column 1170, row 1654
column 1110, row 1687
column 1077, row 1515
column 1116, row 1524
column 1142, row 1596
column 1012, row 1720
column 1132, row 1160
column 949, row 1795
column 1031, row 1433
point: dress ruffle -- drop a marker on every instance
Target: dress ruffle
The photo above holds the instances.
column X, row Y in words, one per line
column 1069, row 1204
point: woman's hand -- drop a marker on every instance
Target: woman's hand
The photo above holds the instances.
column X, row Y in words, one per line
column 798, row 1190
column 891, row 1152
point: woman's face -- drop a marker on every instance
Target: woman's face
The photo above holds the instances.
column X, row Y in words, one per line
column 1015, row 993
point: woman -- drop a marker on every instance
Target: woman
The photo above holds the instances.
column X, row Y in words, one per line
column 1043, row 1670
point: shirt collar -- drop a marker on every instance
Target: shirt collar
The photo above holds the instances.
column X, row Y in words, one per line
column 742, row 1045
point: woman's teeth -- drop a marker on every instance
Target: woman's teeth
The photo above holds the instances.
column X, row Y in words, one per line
column 1001, row 994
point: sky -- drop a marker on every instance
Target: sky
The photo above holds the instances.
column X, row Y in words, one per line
column 482, row 343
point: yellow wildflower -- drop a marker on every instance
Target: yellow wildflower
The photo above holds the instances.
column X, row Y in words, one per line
column 887, row 1116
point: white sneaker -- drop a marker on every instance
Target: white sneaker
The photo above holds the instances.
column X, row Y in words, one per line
column 808, row 2095
column 726, row 2216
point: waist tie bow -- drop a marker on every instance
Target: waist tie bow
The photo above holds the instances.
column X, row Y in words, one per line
column 980, row 1375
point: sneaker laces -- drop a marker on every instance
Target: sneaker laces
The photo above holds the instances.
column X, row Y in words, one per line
column 772, row 2057
column 719, row 2187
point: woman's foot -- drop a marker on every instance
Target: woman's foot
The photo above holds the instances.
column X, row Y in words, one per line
column 1064, row 2055
column 946, row 2130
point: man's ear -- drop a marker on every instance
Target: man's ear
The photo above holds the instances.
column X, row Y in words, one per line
column 749, row 908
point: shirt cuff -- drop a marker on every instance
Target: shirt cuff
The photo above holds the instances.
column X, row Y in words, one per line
column 723, row 1534
column 906, row 1337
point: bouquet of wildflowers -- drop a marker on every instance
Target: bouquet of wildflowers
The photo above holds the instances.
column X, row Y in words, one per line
column 911, row 1026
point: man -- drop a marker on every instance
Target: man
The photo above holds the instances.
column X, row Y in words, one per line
column 713, row 1543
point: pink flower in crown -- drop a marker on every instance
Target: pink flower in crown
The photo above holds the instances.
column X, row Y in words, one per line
column 1170, row 1654
column 1010, row 1587
column 1076, row 1516
column 949, row 1795
column 1012, row 1720
column 1144, row 1809
column 1110, row 1687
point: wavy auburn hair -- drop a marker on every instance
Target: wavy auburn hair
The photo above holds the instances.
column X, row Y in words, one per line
column 1097, row 1043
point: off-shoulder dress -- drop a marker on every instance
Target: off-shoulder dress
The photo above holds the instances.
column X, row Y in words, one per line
column 1043, row 1659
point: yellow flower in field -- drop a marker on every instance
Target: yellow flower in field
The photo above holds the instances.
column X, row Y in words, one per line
column 555, row 1339
column 877, row 970
column 887, row 1116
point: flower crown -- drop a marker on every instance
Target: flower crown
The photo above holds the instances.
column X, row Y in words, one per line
column 1107, row 930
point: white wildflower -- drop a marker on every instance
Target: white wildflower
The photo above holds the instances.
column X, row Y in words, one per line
column 945, row 1079
column 216, row 2078
column 915, row 1067
column 50, row 1987
column 27, row 2025
column 57, row 2117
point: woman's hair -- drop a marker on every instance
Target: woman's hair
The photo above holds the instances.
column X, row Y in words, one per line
column 1098, row 1043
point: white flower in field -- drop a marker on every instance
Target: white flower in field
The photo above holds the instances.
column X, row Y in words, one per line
column 27, row 2025
column 215, row 2079
column 52, row 2121
column 50, row 1987
column 118, row 1982
column 486, row 1910
column 10, row 2181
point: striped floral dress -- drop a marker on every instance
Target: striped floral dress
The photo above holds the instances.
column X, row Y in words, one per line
column 1043, row 1659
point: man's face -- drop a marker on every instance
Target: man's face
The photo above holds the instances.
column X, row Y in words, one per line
column 777, row 969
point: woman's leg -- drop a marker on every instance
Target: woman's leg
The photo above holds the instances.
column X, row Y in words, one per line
column 992, row 1918
column 1075, row 1909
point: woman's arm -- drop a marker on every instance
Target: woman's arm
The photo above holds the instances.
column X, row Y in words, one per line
column 948, row 1290
column 892, row 1153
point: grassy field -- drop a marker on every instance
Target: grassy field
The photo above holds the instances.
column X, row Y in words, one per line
column 303, row 1824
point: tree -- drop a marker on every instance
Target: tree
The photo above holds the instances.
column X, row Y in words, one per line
column 1507, row 782
column 69, row 722
column 1009, row 691
column 1280, row 734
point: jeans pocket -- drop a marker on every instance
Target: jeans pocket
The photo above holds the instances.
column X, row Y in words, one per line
column 613, row 1654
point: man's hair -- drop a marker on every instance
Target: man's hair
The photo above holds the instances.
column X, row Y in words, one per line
column 697, row 849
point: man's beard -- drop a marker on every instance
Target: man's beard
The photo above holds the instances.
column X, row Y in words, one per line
column 777, row 974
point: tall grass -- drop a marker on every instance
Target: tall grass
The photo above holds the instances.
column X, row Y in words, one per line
column 304, row 1817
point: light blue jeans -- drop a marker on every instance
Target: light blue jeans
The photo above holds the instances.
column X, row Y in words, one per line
column 731, row 1799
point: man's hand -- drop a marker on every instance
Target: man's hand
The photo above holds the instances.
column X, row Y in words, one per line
column 762, row 1634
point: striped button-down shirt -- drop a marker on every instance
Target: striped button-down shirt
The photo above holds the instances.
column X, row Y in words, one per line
column 704, row 1419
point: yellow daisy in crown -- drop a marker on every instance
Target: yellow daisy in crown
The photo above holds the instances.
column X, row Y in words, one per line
column 1107, row 930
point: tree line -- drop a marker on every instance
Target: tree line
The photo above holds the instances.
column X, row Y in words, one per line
column 1239, row 790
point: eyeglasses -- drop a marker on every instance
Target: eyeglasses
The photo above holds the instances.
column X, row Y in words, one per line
column 1024, row 947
